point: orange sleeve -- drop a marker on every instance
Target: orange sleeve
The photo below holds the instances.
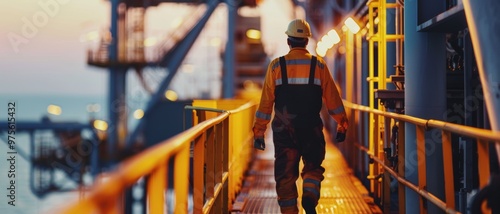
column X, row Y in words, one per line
column 333, row 100
column 263, row 114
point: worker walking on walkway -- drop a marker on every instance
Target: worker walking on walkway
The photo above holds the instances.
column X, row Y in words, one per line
column 296, row 85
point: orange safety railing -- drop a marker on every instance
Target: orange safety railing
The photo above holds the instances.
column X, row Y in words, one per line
column 383, row 170
column 221, row 150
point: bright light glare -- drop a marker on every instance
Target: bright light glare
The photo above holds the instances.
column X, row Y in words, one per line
column 176, row 22
column 352, row 25
column 53, row 109
column 334, row 36
column 321, row 49
column 100, row 125
column 90, row 36
column 138, row 114
column 253, row 34
column 171, row 95
column 327, row 41
column 151, row 41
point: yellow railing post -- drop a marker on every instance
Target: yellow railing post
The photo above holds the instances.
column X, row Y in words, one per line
column 401, row 166
column 387, row 178
column 376, row 152
column 199, row 173
column 483, row 162
column 448, row 170
column 181, row 185
column 219, row 171
column 209, row 164
column 421, row 165
column 230, row 195
column 156, row 186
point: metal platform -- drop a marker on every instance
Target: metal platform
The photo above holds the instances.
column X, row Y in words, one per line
column 341, row 192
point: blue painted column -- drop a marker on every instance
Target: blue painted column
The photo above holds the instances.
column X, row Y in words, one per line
column 229, row 58
column 425, row 97
column 117, row 123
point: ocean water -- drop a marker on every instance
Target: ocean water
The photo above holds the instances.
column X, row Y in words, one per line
column 33, row 108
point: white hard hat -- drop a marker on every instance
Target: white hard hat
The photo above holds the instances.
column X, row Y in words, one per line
column 299, row 28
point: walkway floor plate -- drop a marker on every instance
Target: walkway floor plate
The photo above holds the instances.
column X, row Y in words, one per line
column 341, row 191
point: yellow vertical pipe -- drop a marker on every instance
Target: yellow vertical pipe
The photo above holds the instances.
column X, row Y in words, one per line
column 421, row 164
column 483, row 162
column 198, row 173
column 349, row 81
column 381, row 70
column 181, row 185
column 349, row 65
column 382, row 45
column 371, row 103
column 157, row 183
column 448, row 170
column 359, row 68
column 358, row 92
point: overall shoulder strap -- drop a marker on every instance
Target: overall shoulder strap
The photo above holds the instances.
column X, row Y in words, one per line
column 284, row 78
column 311, row 71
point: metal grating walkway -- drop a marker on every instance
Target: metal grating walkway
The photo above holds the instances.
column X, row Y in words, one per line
column 341, row 192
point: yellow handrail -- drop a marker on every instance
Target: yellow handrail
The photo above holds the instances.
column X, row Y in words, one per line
column 211, row 139
column 483, row 137
column 468, row 131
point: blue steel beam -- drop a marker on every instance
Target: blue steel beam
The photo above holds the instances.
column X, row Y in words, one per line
column 229, row 59
column 117, row 88
column 425, row 97
column 172, row 62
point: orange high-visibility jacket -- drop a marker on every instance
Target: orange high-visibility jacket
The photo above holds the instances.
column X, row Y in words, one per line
column 298, row 62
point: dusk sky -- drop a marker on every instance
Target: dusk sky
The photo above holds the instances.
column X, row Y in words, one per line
column 43, row 43
column 51, row 58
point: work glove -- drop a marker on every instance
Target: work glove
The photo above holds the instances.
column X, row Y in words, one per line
column 340, row 136
column 259, row 144
column 258, row 136
column 342, row 130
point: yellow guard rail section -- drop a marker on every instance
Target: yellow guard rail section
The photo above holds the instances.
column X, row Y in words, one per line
column 221, row 145
column 483, row 137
